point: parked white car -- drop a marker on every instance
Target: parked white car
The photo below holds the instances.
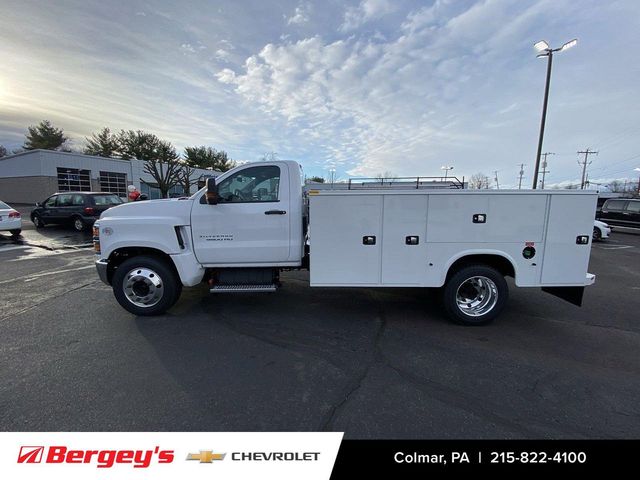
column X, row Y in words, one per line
column 10, row 219
column 600, row 230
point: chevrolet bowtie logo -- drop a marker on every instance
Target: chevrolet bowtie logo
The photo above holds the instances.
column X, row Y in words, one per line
column 206, row 456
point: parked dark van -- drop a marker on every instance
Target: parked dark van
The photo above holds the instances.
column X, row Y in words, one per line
column 78, row 209
column 621, row 212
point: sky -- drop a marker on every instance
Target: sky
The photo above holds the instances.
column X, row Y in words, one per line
column 401, row 87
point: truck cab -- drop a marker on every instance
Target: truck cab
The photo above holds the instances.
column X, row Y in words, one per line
column 255, row 221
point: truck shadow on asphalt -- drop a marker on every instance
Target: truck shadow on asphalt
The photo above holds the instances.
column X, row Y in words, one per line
column 277, row 361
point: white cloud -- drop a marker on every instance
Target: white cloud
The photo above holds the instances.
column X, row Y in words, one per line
column 187, row 47
column 300, row 14
column 226, row 76
column 368, row 10
column 402, row 87
column 222, row 54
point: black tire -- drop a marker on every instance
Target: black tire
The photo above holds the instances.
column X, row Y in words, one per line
column 15, row 232
column 37, row 221
column 165, row 294
column 597, row 234
column 79, row 225
column 487, row 279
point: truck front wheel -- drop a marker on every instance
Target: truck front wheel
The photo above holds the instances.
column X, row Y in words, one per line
column 146, row 286
column 475, row 295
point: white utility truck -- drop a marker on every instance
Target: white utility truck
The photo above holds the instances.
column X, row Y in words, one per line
column 246, row 226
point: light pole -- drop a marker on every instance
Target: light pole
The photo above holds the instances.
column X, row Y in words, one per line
column 332, row 176
column 546, row 51
column 446, row 171
column 638, row 170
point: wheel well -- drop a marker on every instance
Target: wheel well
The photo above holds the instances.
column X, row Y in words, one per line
column 121, row 254
column 500, row 263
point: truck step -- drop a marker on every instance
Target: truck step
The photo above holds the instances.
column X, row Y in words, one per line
column 269, row 287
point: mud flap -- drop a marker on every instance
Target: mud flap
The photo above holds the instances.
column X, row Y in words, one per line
column 572, row 295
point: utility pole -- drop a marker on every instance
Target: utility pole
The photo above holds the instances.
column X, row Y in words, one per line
column 544, row 167
column 495, row 172
column 521, row 175
column 584, row 164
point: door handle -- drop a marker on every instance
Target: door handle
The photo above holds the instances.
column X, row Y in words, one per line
column 275, row 212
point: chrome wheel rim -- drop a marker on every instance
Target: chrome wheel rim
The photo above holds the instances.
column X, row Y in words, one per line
column 477, row 296
column 78, row 224
column 143, row 287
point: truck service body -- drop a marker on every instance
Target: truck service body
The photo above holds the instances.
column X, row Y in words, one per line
column 254, row 221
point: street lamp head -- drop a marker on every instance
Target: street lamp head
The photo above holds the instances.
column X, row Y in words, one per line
column 569, row 44
column 541, row 46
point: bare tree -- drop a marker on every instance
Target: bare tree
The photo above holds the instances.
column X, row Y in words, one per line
column 3, row 151
column 269, row 157
column 479, row 181
column 386, row 175
column 187, row 177
column 164, row 167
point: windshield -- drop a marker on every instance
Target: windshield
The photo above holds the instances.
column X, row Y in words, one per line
column 106, row 199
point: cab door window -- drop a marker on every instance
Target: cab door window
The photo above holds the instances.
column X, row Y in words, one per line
column 254, row 184
column 50, row 202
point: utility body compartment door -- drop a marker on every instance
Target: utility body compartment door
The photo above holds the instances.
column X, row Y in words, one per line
column 404, row 241
column 565, row 260
column 346, row 239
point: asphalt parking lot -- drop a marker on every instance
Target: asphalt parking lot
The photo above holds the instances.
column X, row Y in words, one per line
column 373, row 363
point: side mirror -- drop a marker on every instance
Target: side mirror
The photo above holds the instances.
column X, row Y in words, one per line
column 212, row 191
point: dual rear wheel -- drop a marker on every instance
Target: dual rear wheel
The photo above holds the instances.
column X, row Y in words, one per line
column 475, row 295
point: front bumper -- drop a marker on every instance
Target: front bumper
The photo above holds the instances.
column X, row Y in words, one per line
column 101, row 266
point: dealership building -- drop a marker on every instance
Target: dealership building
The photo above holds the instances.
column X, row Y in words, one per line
column 33, row 175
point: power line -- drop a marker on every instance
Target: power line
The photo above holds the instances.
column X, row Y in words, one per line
column 618, row 162
column 584, row 164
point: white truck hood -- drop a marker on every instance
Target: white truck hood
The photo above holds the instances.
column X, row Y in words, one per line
column 177, row 209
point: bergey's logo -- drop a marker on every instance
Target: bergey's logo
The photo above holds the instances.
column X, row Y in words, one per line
column 30, row 454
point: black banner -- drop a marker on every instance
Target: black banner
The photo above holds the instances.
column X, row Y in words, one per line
column 415, row 458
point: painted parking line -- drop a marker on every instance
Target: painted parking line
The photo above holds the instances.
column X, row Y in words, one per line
column 35, row 276
column 612, row 247
column 12, row 247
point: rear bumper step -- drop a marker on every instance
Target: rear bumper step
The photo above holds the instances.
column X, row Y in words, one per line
column 243, row 288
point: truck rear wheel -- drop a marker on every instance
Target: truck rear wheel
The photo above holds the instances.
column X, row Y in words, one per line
column 146, row 286
column 475, row 295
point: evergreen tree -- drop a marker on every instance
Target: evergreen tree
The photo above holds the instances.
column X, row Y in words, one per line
column 45, row 136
